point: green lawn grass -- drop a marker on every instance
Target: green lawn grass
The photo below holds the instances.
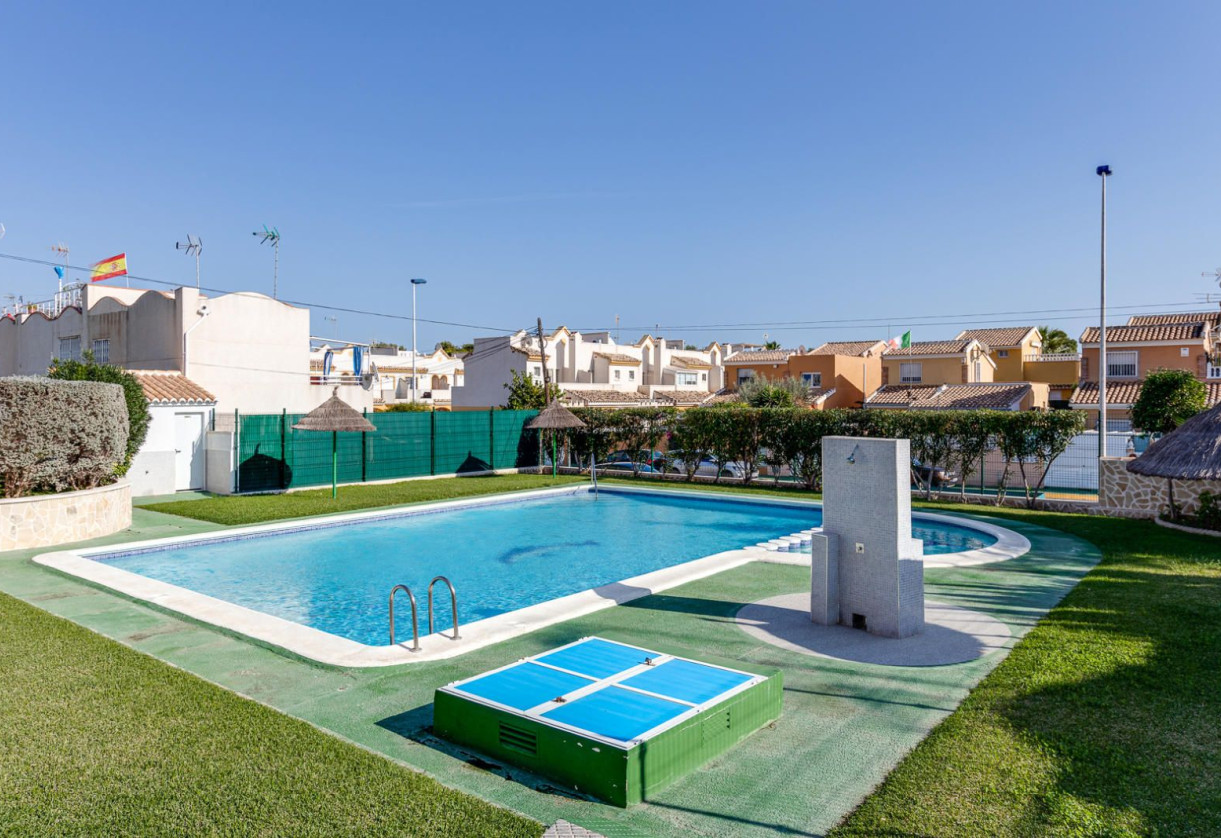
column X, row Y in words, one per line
column 97, row 739
column 254, row 509
column 1104, row 721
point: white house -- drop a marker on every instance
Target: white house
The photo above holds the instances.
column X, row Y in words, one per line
column 436, row 373
column 248, row 349
column 592, row 369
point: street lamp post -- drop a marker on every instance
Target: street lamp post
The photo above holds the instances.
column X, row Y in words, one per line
column 414, row 284
column 1103, row 172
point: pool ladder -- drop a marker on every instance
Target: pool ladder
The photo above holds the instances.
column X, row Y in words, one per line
column 415, row 624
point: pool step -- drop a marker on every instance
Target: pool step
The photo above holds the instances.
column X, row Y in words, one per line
column 798, row 542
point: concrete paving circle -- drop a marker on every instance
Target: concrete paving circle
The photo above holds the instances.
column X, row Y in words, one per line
column 951, row 634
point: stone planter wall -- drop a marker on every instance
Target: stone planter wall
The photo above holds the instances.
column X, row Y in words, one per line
column 1138, row 496
column 48, row 520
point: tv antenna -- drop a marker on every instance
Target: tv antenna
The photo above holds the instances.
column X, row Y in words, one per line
column 1213, row 275
column 62, row 250
column 193, row 246
column 272, row 237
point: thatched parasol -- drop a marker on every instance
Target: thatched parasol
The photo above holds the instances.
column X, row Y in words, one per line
column 554, row 417
column 1191, row 451
column 334, row 415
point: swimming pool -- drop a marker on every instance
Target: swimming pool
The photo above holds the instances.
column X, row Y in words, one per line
column 505, row 555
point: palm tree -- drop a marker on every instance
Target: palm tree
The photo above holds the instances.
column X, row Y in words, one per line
column 772, row 344
column 1056, row 341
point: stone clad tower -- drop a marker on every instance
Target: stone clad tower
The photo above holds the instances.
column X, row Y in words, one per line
column 867, row 570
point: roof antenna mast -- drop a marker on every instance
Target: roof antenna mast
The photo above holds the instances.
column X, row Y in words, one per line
column 193, row 246
column 272, row 236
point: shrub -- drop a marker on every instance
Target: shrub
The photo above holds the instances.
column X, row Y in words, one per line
column 58, row 435
column 133, row 394
column 1167, row 399
column 781, row 392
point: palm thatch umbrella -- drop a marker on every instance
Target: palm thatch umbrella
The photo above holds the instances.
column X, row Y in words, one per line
column 334, row 415
column 1191, row 451
column 554, row 417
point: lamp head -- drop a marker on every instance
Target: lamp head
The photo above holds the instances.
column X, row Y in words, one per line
column 419, row 281
column 1103, row 171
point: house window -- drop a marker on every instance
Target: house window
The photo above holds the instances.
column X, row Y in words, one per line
column 1184, row 351
column 617, row 374
column 1213, row 370
column 70, row 348
column 703, row 376
column 1121, row 364
column 911, row 373
column 101, row 351
column 811, row 379
column 684, row 378
column 537, row 372
column 1002, row 353
column 745, row 375
column 631, row 375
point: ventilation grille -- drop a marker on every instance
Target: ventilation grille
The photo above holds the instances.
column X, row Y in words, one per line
column 516, row 739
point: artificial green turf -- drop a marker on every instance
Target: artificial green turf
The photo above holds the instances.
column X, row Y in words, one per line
column 97, row 739
column 1104, row 720
column 254, row 509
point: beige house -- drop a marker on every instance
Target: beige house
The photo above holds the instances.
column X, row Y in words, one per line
column 960, row 361
column 1018, row 354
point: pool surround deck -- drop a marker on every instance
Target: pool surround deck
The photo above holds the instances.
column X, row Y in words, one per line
column 845, row 724
column 331, row 649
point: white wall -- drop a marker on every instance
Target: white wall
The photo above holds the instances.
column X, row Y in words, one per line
column 153, row 469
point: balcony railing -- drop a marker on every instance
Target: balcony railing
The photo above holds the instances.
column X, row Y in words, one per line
column 1035, row 359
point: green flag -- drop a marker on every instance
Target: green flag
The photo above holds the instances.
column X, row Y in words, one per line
column 907, row 340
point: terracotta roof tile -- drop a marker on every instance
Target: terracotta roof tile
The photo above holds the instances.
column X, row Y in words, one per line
column 761, row 356
column 849, row 347
column 683, row 397
column 933, row 347
column 950, row 397
column 170, row 387
column 1213, row 318
column 723, row 397
column 617, row 357
column 687, row 363
column 1126, row 392
column 592, row 397
column 1003, row 338
column 1137, row 334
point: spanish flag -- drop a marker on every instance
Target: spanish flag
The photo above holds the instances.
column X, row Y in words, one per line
column 107, row 268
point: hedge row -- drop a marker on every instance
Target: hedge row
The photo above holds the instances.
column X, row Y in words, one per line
column 59, row 435
column 793, row 437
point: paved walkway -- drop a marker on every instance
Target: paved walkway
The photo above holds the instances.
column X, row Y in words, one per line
column 845, row 724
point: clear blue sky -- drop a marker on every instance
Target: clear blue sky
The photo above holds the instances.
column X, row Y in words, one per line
column 672, row 163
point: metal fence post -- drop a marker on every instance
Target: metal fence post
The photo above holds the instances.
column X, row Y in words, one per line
column 432, row 442
column 283, row 447
column 237, row 453
column 364, row 446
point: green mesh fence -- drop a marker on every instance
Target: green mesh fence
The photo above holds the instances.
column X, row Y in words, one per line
column 271, row 455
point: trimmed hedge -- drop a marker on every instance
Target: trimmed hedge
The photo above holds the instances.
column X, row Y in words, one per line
column 138, row 416
column 60, row 435
column 792, row 437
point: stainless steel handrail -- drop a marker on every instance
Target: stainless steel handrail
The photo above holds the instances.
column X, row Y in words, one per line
column 453, row 598
column 593, row 472
column 415, row 623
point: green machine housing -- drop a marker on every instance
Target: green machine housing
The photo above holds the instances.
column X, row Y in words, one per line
column 605, row 719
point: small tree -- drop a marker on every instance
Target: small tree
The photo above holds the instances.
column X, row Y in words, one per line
column 1056, row 341
column 138, row 417
column 527, row 394
column 1167, row 399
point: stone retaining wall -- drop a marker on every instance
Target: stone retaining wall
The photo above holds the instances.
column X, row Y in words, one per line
column 48, row 520
column 1137, row 496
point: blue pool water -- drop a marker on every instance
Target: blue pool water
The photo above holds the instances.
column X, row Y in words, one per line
column 501, row 556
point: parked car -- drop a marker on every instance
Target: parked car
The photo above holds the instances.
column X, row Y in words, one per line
column 624, row 466
column 921, row 474
column 656, row 459
column 707, row 466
